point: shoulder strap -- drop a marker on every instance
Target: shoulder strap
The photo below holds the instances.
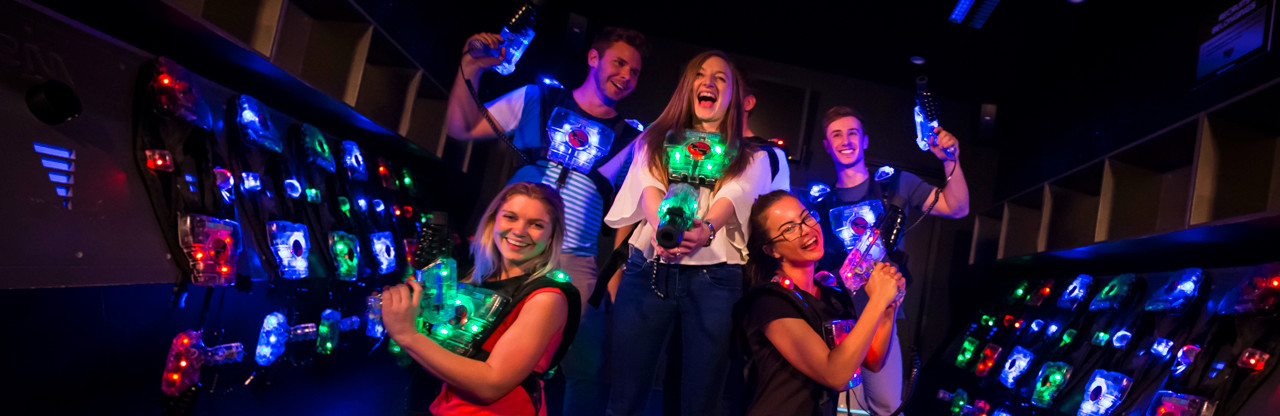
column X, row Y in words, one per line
column 773, row 162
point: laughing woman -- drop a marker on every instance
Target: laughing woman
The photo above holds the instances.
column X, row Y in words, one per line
column 697, row 282
column 796, row 371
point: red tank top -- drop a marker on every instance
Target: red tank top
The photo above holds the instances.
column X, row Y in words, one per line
column 515, row 402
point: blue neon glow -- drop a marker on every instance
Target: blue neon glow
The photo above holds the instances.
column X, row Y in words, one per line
column 851, row 222
column 385, row 250
column 58, row 164
column 61, row 177
column 984, row 11
column 515, row 43
column 255, row 125
column 924, row 129
column 1105, row 391
column 63, row 191
column 1121, row 339
column 379, row 206
column 1161, row 347
column 290, row 245
column 576, row 141
column 353, row 160
column 1036, row 325
column 1017, row 363
column 961, row 10
column 549, row 81
column 249, row 181
column 1170, row 403
column 55, row 151
column 271, row 339
column 1186, row 356
column 635, row 123
column 817, row 191
column 1001, row 412
column 364, row 206
column 1177, row 294
column 1075, row 292
column 293, row 188
column 373, row 316
column 884, row 172
column 1053, row 329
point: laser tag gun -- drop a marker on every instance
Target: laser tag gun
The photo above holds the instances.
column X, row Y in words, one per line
column 187, row 354
column 874, row 244
column 275, row 333
column 676, row 214
column 353, row 160
column 1053, row 376
column 212, row 246
column 926, row 114
column 1104, row 392
column 696, row 158
column 346, row 255
column 1178, row 294
column 290, row 245
column 317, row 150
column 1167, row 403
column 834, row 332
column 433, row 270
column 1037, row 297
column 174, row 97
column 989, row 354
column 516, row 36
column 1257, row 296
column 331, row 324
column 577, row 142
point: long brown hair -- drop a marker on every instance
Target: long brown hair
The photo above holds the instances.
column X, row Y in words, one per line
column 678, row 116
column 761, row 267
column 489, row 260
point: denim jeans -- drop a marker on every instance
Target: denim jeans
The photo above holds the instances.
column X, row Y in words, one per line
column 701, row 298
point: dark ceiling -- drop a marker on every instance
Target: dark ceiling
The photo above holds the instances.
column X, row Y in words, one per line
column 1072, row 81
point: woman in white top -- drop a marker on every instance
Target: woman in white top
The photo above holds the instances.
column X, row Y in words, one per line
column 697, row 282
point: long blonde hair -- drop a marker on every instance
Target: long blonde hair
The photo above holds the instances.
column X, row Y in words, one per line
column 488, row 260
column 678, row 116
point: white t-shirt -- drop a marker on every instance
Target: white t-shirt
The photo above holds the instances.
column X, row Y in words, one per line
column 730, row 244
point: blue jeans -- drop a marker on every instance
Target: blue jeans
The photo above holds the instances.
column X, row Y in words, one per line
column 701, row 298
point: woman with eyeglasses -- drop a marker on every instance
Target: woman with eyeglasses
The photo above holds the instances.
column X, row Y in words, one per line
column 794, row 370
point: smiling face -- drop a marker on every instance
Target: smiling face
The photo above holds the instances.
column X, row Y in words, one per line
column 712, row 91
column 797, row 237
column 614, row 72
column 521, row 230
column 845, row 142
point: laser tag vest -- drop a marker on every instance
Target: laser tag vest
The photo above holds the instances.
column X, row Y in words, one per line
column 824, row 397
column 520, row 292
column 845, row 220
column 572, row 145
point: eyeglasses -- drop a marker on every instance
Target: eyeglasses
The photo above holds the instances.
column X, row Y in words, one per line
column 792, row 230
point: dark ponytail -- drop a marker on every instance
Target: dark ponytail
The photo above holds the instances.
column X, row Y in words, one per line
column 761, row 267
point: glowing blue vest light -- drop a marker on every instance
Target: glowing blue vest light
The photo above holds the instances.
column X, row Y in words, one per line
column 576, row 141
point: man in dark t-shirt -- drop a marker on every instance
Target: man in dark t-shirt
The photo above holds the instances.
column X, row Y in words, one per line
column 857, row 200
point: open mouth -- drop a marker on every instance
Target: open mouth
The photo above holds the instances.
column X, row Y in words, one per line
column 809, row 243
column 515, row 243
column 706, row 99
column 845, row 152
column 618, row 86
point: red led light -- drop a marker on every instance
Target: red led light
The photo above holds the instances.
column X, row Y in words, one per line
column 408, row 211
column 159, row 162
column 1018, row 325
column 1045, row 290
column 182, row 363
column 175, row 376
column 778, row 141
column 1275, row 282
column 397, row 212
column 225, row 270
column 1008, row 320
column 199, row 255
column 186, row 340
column 787, row 282
column 1253, row 361
column 166, row 79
